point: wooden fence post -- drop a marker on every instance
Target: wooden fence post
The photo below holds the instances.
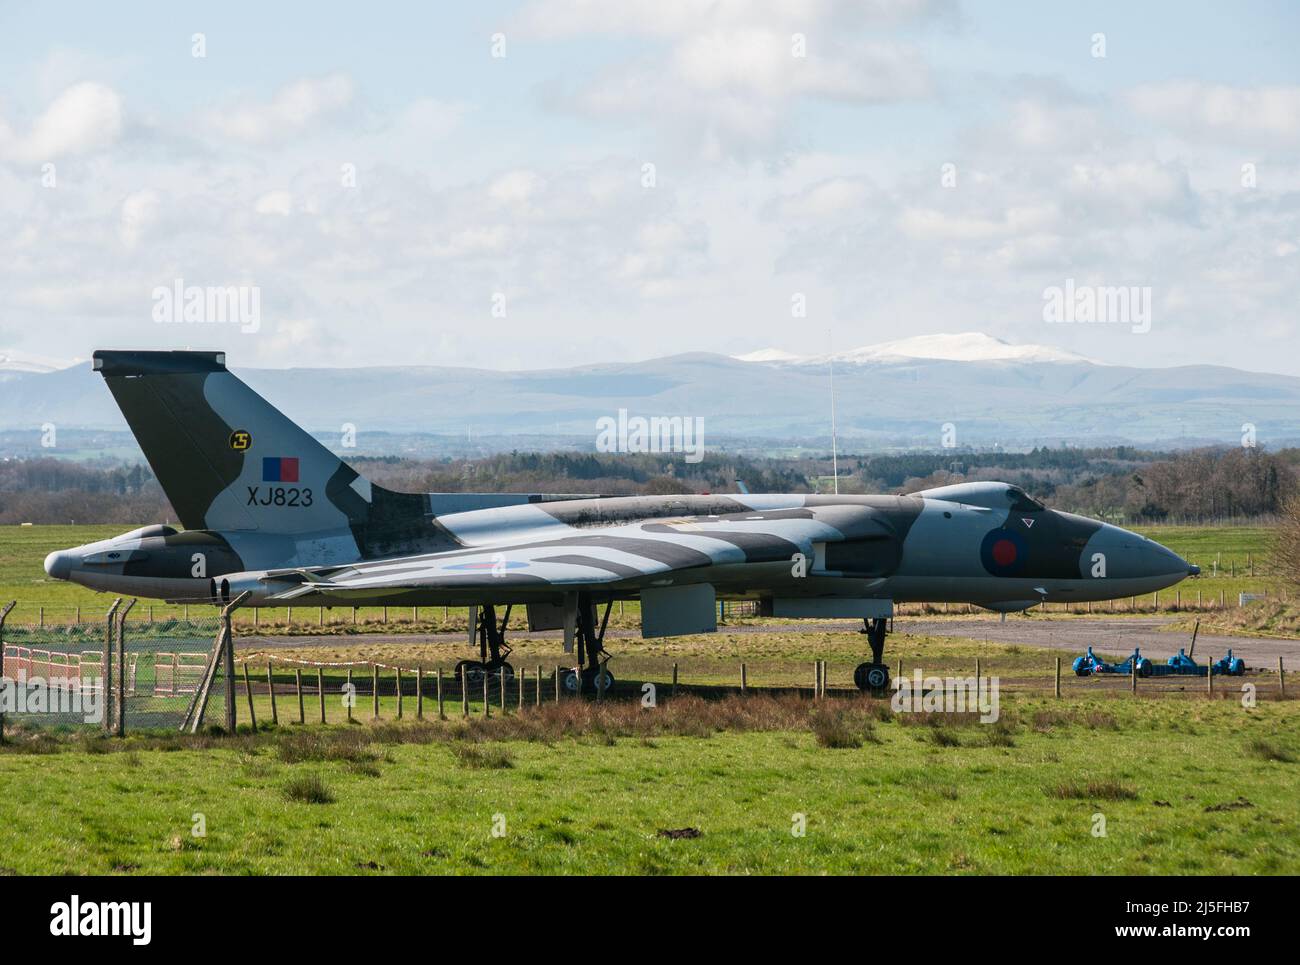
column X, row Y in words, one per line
column 1281, row 677
column 320, row 689
column 374, row 685
column 743, row 679
column 399, row 693
column 441, row 715
column 487, row 704
column 419, row 693
column 502, row 695
column 1058, row 676
column 519, row 679
column 297, row 682
column 674, row 693
column 248, row 692
column 557, row 683
column 539, row 686
column 1209, row 678
column 270, row 686
column 351, row 695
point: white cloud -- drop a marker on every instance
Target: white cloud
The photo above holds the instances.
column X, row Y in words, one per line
column 515, row 188
column 85, row 117
column 1217, row 111
column 830, row 199
column 554, row 19
column 274, row 202
column 1136, row 185
column 928, row 224
column 139, row 211
column 819, row 192
column 725, row 77
column 293, row 108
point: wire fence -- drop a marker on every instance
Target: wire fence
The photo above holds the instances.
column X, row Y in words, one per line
column 288, row 690
column 165, row 668
column 108, row 674
column 122, row 676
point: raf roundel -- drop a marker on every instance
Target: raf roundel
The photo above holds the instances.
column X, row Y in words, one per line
column 240, row 440
column 1004, row 552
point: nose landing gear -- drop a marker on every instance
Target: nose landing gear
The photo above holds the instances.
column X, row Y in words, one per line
column 873, row 676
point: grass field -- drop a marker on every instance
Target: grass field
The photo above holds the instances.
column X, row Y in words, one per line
column 1183, row 786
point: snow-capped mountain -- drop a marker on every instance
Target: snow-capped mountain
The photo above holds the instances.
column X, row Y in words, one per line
column 899, row 394
column 961, row 347
column 768, row 355
column 11, row 361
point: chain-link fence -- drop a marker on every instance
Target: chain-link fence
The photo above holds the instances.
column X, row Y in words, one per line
column 165, row 667
column 114, row 674
column 54, row 676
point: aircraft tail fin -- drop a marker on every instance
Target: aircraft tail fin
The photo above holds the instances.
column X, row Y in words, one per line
column 229, row 460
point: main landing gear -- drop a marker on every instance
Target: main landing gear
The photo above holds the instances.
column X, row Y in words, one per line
column 493, row 648
column 593, row 658
column 873, row 676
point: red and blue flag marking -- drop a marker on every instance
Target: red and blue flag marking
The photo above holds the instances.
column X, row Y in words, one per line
column 280, row 469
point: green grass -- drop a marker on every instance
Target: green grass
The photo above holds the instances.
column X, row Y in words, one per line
column 1185, row 786
column 1201, row 544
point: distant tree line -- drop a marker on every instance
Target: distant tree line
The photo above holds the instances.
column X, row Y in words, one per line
column 61, row 491
column 1122, row 483
column 597, row 473
column 1142, row 487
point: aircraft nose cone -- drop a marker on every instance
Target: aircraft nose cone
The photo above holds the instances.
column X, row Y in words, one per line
column 1165, row 560
column 1193, row 569
column 58, row 564
column 1159, row 560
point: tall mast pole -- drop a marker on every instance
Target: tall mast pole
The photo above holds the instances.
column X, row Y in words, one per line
column 835, row 459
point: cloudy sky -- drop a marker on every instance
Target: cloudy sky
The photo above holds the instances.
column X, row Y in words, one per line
column 562, row 182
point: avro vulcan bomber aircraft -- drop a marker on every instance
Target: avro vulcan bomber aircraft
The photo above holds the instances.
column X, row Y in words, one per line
column 269, row 510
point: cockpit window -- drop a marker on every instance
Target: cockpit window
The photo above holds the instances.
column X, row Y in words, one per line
column 1021, row 502
column 144, row 532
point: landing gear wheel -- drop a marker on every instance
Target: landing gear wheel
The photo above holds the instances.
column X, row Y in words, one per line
column 473, row 671
column 590, row 680
column 871, row 676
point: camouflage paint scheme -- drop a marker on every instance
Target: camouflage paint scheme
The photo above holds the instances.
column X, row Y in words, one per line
column 268, row 509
